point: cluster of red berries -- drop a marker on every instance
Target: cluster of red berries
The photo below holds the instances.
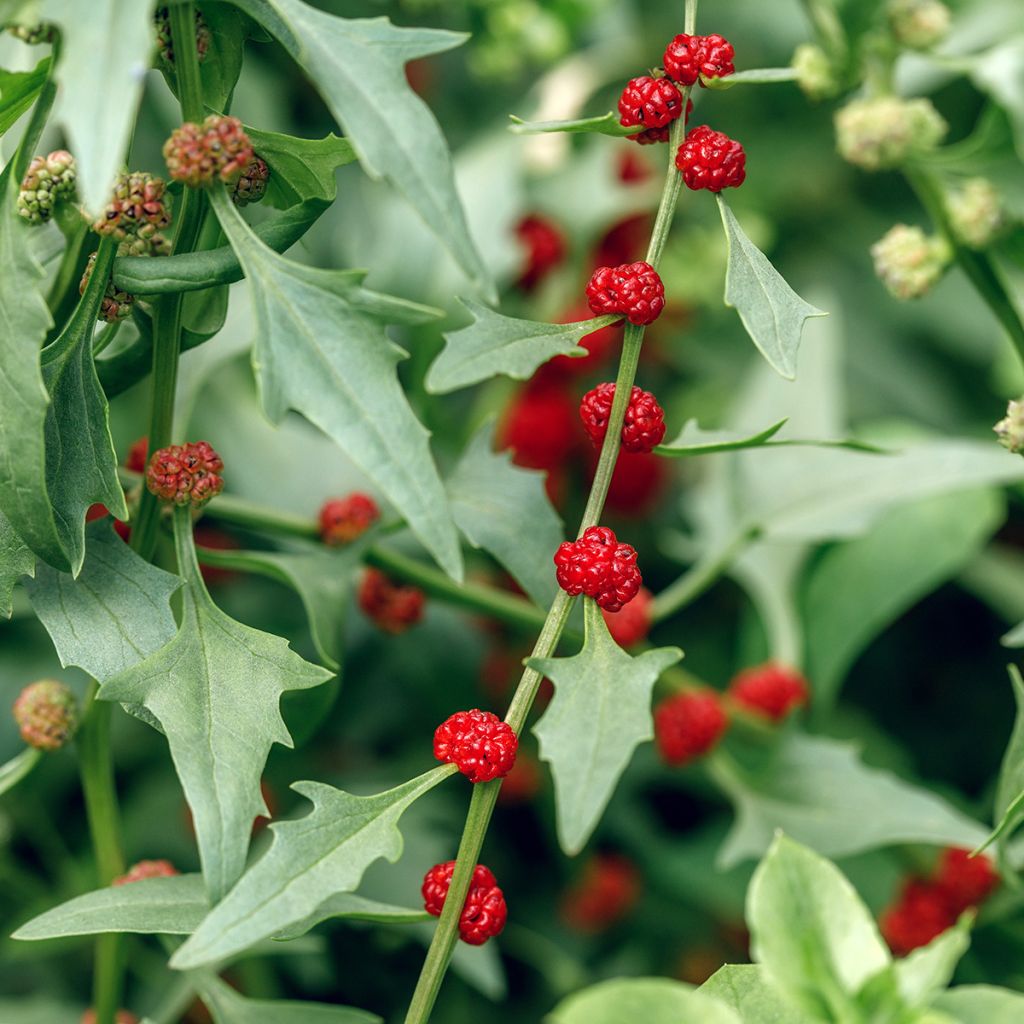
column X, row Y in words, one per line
column 146, row 869
column 197, row 154
column 643, row 428
column 478, row 743
column 342, row 520
column 136, row 214
column 605, row 892
column 689, row 725
column 484, row 912
column 926, row 907
column 185, row 474
column 390, row 606
column 598, row 566
column 633, row 290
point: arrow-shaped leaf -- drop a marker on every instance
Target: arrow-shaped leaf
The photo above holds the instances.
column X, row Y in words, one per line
column 600, row 713
column 309, row 861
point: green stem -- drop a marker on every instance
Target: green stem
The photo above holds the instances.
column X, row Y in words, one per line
column 97, row 771
column 186, row 62
column 37, row 122
column 64, row 292
column 485, row 795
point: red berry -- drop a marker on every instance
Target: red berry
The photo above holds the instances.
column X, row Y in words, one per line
column 650, row 136
column 545, row 249
column 688, row 725
column 651, row 102
column 540, row 426
column 631, row 624
column 632, row 289
column 137, row 455
column 600, row 567
column 484, row 912
column 185, row 474
column 689, row 57
column 344, row 519
column 606, row 891
column 922, row 913
column 96, row 511
column 711, row 160
column 196, row 154
column 966, row 880
column 770, row 690
column 392, row 607
column 478, row 743
column 643, row 427
column 146, row 869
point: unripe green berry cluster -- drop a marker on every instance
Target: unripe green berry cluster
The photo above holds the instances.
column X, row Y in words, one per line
column 909, row 262
column 251, row 186
column 41, row 32
column 48, row 181
column 1010, row 429
column 165, row 42
column 116, row 304
column 919, row 24
column 136, row 214
column 885, row 131
column 47, row 714
column 976, row 213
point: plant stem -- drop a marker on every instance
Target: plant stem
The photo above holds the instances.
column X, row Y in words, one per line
column 485, row 795
column 97, row 771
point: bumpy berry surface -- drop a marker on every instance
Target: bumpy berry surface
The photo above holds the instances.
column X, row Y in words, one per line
column 966, row 880
column 484, row 912
column 643, row 427
column 41, row 32
column 922, row 913
column 390, row 606
column 48, row 181
column 649, row 103
column 251, row 186
column 632, row 622
column 116, row 304
column 165, row 42
column 135, row 215
column 344, row 519
column 633, row 290
column 650, row 136
column 218, row 148
column 146, row 869
column 711, row 160
column 545, row 247
column 606, row 891
column 600, row 567
column 185, row 474
column 478, row 743
column 47, row 714
column 688, row 725
column 909, row 262
column 687, row 58
column 770, row 690
column 540, row 426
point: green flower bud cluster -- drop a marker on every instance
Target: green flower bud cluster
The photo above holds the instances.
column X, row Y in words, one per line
column 1010, row 429
column 135, row 215
column 885, row 131
column 909, row 262
column 48, row 181
column 919, row 24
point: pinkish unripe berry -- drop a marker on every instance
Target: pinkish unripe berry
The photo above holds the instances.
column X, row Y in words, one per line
column 218, row 148
column 185, row 474
column 47, row 714
column 342, row 520
column 48, row 181
column 116, row 304
column 137, row 211
column 146, row 869
column 390, row 606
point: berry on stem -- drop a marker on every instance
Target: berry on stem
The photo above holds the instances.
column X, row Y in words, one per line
column 598, row 566
column 185, row 474
column 484, row 912
column 649, row 103
column 632, row 622
column 909, row 262
column 165, row 41
column 650, row 136
column 711, row 160
column 478, row 743
column 251, row 186
column 116, row 304
column 218, row 148
column 47, row 714
column 146, row 869
column 966, row 880
column 136, row 213
column 689, row 58
column 769, row 690
column 48, row 181
column 643, row 428
column 342, row 520
column 390, row 606
column 688, row 726
column 633, row 290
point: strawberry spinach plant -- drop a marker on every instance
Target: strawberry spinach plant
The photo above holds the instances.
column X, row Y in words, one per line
column 200, row 285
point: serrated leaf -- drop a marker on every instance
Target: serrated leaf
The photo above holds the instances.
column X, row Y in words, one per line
column 794, row 787
column 159, row 906
column 14, row 770
column 309, row 860
column 16, row 560
column 600, row 713
column 651, row 1000
column 215, row 689
column 746, row 989
column 114, row 614
column 602, row 124
column 505, row 510
column 772, row 313
column 321, row 349
column 358, row 908
column 1008, row 812
column 927, row 971
column 18, row 90
column 810, row 931
column 982, row 1004
column 103, row 62
column 358, row 65
column 230, row 1007
column 495, row 344
column 905, row 555
column 300, row 169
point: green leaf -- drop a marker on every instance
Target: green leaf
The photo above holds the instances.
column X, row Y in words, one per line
column 505, row 510
column 115, row 614
column 230, row 1007
column 162, row 906
column 219, row 73
column 754, row 76
column 358, row 908
column 300, row 169
column 927, row 971
column 694, row 441
column 905, row 555
column 746, row 989
column 358, row 65
column 650, row 1000
column 494, row 344
column 309, row 860
column 819, row 792
column 14, row 770
column 600, row 713
column 16, row 560
column 1008, row 812
column 771, row 311
column 215, row 689
column 1000, row 73
column 18, row 90
column 103, row 59
column 810, row 931
column 322, row 349
column 982, row 1004
column 603, row 124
